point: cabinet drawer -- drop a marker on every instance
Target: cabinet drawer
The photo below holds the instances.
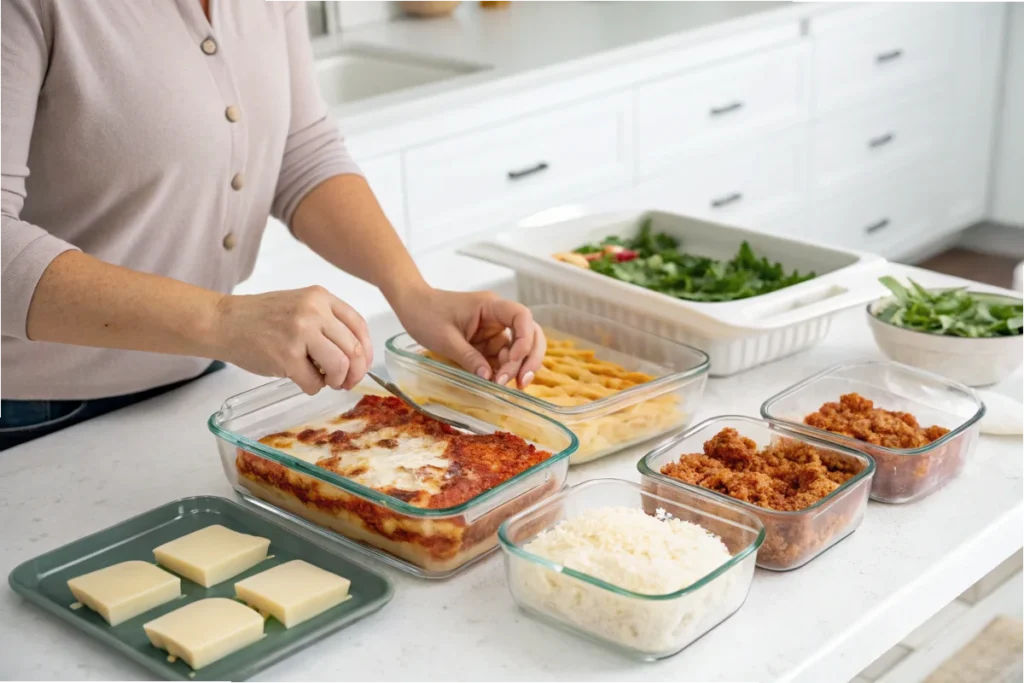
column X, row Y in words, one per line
column 864, row 52
column 384, row 174
column 736, row 185
column 885, row 218
column 464, row 185
column 873, row 139
column 718, row 104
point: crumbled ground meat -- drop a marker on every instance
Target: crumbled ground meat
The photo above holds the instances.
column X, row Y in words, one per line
column 785, row 475
column 899, row 477
column 858, row 418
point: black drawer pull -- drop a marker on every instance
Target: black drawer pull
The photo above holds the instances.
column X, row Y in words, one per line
column 888, row 56
column 881, row 141
column 726, row 200
column 875, row 227
column 733, row 106
column 516, row 175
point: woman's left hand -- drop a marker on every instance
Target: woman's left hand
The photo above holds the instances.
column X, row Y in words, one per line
column 492, row 337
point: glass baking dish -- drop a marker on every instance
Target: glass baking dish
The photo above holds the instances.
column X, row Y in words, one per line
column 901, row 475
column 635, row 624
column 793, row 538
column 430, row 543
column 603, row 426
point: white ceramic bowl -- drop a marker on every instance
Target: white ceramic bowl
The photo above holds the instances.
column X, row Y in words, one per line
column 974, row 362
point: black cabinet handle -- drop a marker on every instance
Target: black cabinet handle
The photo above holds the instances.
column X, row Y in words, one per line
column 875, row 227
column 726, row 109
column 522, row 173
column 888, row 56
column 881, row 141
column 726, row 200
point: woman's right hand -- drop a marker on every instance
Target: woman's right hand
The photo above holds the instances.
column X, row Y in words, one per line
column 282, row 334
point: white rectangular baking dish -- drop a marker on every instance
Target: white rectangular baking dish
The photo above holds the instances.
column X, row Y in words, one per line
column 735, row 334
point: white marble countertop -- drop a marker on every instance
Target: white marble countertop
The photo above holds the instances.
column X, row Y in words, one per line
column 825, row 621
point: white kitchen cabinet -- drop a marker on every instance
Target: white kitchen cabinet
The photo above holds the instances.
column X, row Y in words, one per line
column 884, row 218
column 871, row 139
column 1008, row 182
column 720, row 105
column 871, row 127
column 462, row 185
column 745, row 185
column 872, row 51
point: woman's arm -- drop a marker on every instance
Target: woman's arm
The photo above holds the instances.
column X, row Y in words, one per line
column 331, row 208
column 53, row 292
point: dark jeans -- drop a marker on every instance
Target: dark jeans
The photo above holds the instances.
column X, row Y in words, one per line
column 22, row 421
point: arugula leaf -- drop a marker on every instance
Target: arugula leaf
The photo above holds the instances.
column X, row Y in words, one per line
column 951, row 312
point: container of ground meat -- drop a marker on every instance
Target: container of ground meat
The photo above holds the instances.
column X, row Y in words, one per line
column 643, row 574
column 809, row 493
column 919, row 428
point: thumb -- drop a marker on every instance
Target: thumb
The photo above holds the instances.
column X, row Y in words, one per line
column 463, row 353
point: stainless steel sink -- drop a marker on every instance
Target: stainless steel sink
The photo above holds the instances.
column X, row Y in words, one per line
column 357, row 73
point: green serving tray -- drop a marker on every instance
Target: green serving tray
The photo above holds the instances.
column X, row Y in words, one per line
column 44, row 582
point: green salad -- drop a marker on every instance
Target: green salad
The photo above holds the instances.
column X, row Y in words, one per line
column 952, row 312
column 654, row 260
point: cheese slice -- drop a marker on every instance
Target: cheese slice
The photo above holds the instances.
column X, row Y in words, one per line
column 212, row 554
column 122, row 591
column 294, row 591
column 205, row 631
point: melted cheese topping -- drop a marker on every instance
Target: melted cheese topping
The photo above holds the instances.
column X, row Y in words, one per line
column 385, row 445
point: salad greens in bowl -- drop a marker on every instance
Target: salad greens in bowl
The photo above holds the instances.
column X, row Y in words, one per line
column 953, row 312
column 656, row 262
column 971, row 337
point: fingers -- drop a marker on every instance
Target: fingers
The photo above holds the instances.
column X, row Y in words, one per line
column 517, row 318
column 305, row 374
column 534, row 359
column 332, row 358
column 355, row 323
column 463, row 353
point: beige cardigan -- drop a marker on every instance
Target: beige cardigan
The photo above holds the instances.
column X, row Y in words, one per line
column 150, row 137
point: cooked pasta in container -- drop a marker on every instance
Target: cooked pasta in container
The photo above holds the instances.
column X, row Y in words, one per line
column 612, row 385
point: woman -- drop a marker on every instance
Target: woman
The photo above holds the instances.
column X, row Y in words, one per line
column 144, row 146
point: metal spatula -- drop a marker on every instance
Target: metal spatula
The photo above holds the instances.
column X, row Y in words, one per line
column 393, row 389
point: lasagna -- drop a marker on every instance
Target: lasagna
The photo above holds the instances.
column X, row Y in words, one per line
column 384, row 445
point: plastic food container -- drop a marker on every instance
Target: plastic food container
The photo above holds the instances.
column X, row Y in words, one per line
column 603, row 426
column 737, row 335
column 901, row 475
column 792, row 538
column 430, row 543
column 639, row 625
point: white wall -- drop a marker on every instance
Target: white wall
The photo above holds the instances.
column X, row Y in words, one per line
column 1008, row 190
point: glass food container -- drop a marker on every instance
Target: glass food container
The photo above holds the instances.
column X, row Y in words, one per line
column 605, row 425
column 636, row 624
column 793, row 538
column 430, row 543
column 901, row 475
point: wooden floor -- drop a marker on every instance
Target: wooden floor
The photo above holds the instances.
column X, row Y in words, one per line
column 973, row 265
